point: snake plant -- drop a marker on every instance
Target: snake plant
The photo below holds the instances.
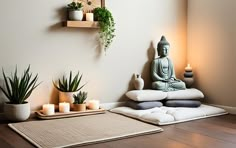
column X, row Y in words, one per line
column 18, row 89
column 70, row 84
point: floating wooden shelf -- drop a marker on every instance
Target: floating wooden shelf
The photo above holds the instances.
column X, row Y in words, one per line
column 81, row 24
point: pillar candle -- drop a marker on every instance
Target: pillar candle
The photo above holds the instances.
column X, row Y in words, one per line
column 93, row 104
column 48, row 109
column 188, row 68
column 64, row 107
column 89, row 17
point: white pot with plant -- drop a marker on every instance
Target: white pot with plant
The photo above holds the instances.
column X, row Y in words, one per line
column 75, row 11
column 17, row 90
column 67, row 87
column 79, row 104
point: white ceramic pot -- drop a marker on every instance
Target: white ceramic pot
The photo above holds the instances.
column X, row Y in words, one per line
column 76, row 15
column 138, row 82
column 67, row 97
column 17, row 112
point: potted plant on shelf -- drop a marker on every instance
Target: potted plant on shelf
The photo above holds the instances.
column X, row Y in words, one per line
column 79, row 104
column 17, row 90
column 67, row 87
column 107, row 26
column 75, row 11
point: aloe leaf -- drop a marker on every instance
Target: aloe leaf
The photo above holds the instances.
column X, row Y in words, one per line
column 69, row 85
column 75, row 80
column 6, row 83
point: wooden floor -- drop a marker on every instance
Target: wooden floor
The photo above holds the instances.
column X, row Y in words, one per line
column 214, row 132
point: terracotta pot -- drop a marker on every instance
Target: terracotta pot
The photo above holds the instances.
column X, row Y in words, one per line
column 17, row 112
column 79, row 107
column 67, row 97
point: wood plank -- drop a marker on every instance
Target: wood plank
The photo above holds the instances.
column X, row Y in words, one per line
column 191, row 138
column 81, row 24
column 214, row 132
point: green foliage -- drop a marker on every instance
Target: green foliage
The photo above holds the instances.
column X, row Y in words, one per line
column 80, row 97
column 19, row 89
column 107, row 26
column 69, row 85
column 75, row 6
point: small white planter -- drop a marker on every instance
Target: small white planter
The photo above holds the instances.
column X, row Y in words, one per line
column 76, row 15
column 17, row 112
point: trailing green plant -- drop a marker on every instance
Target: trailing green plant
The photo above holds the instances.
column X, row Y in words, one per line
column 75, row 6
column 80, row 97
column 19, row 89
column 70, row 84
column 107, row 25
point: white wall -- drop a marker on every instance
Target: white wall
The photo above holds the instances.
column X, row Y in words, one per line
column 31, row 33
column 212, row 48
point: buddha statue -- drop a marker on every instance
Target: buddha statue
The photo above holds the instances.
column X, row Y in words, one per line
column 162, row 70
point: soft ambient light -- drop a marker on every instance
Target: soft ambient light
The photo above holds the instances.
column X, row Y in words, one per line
column 64, row 107
column 93, row 104
column 89, row 17
column 188, row 68
column 48, row 109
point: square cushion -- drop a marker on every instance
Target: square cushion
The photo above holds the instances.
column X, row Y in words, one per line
column 191, row 93
column 146, row 95
column 169, row 115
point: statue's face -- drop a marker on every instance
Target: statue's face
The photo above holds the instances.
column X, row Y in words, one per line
column 164, row 50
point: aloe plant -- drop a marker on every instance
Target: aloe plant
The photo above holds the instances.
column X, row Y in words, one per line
column 80, row 97
column 19, row 89
column 69, row 85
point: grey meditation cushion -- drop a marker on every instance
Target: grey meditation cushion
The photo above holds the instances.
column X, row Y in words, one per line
column 182, row 103
column 143, row 105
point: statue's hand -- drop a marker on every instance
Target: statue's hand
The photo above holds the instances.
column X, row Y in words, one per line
column 172, row 79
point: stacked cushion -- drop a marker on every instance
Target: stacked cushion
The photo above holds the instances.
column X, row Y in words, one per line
column 146, row 95
column 188, row 94
column 182, row 103
column 143, row 105
column 180, row 98
column 169, row 115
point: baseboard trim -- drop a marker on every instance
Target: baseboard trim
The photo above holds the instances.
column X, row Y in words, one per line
column 108, row 106
column 229, row 109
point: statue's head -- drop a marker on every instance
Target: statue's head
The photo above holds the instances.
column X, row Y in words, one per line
column 163, row 47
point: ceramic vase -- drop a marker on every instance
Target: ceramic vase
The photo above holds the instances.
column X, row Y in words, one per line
column 17, row 112
column 138, row 82
column 76, row 15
